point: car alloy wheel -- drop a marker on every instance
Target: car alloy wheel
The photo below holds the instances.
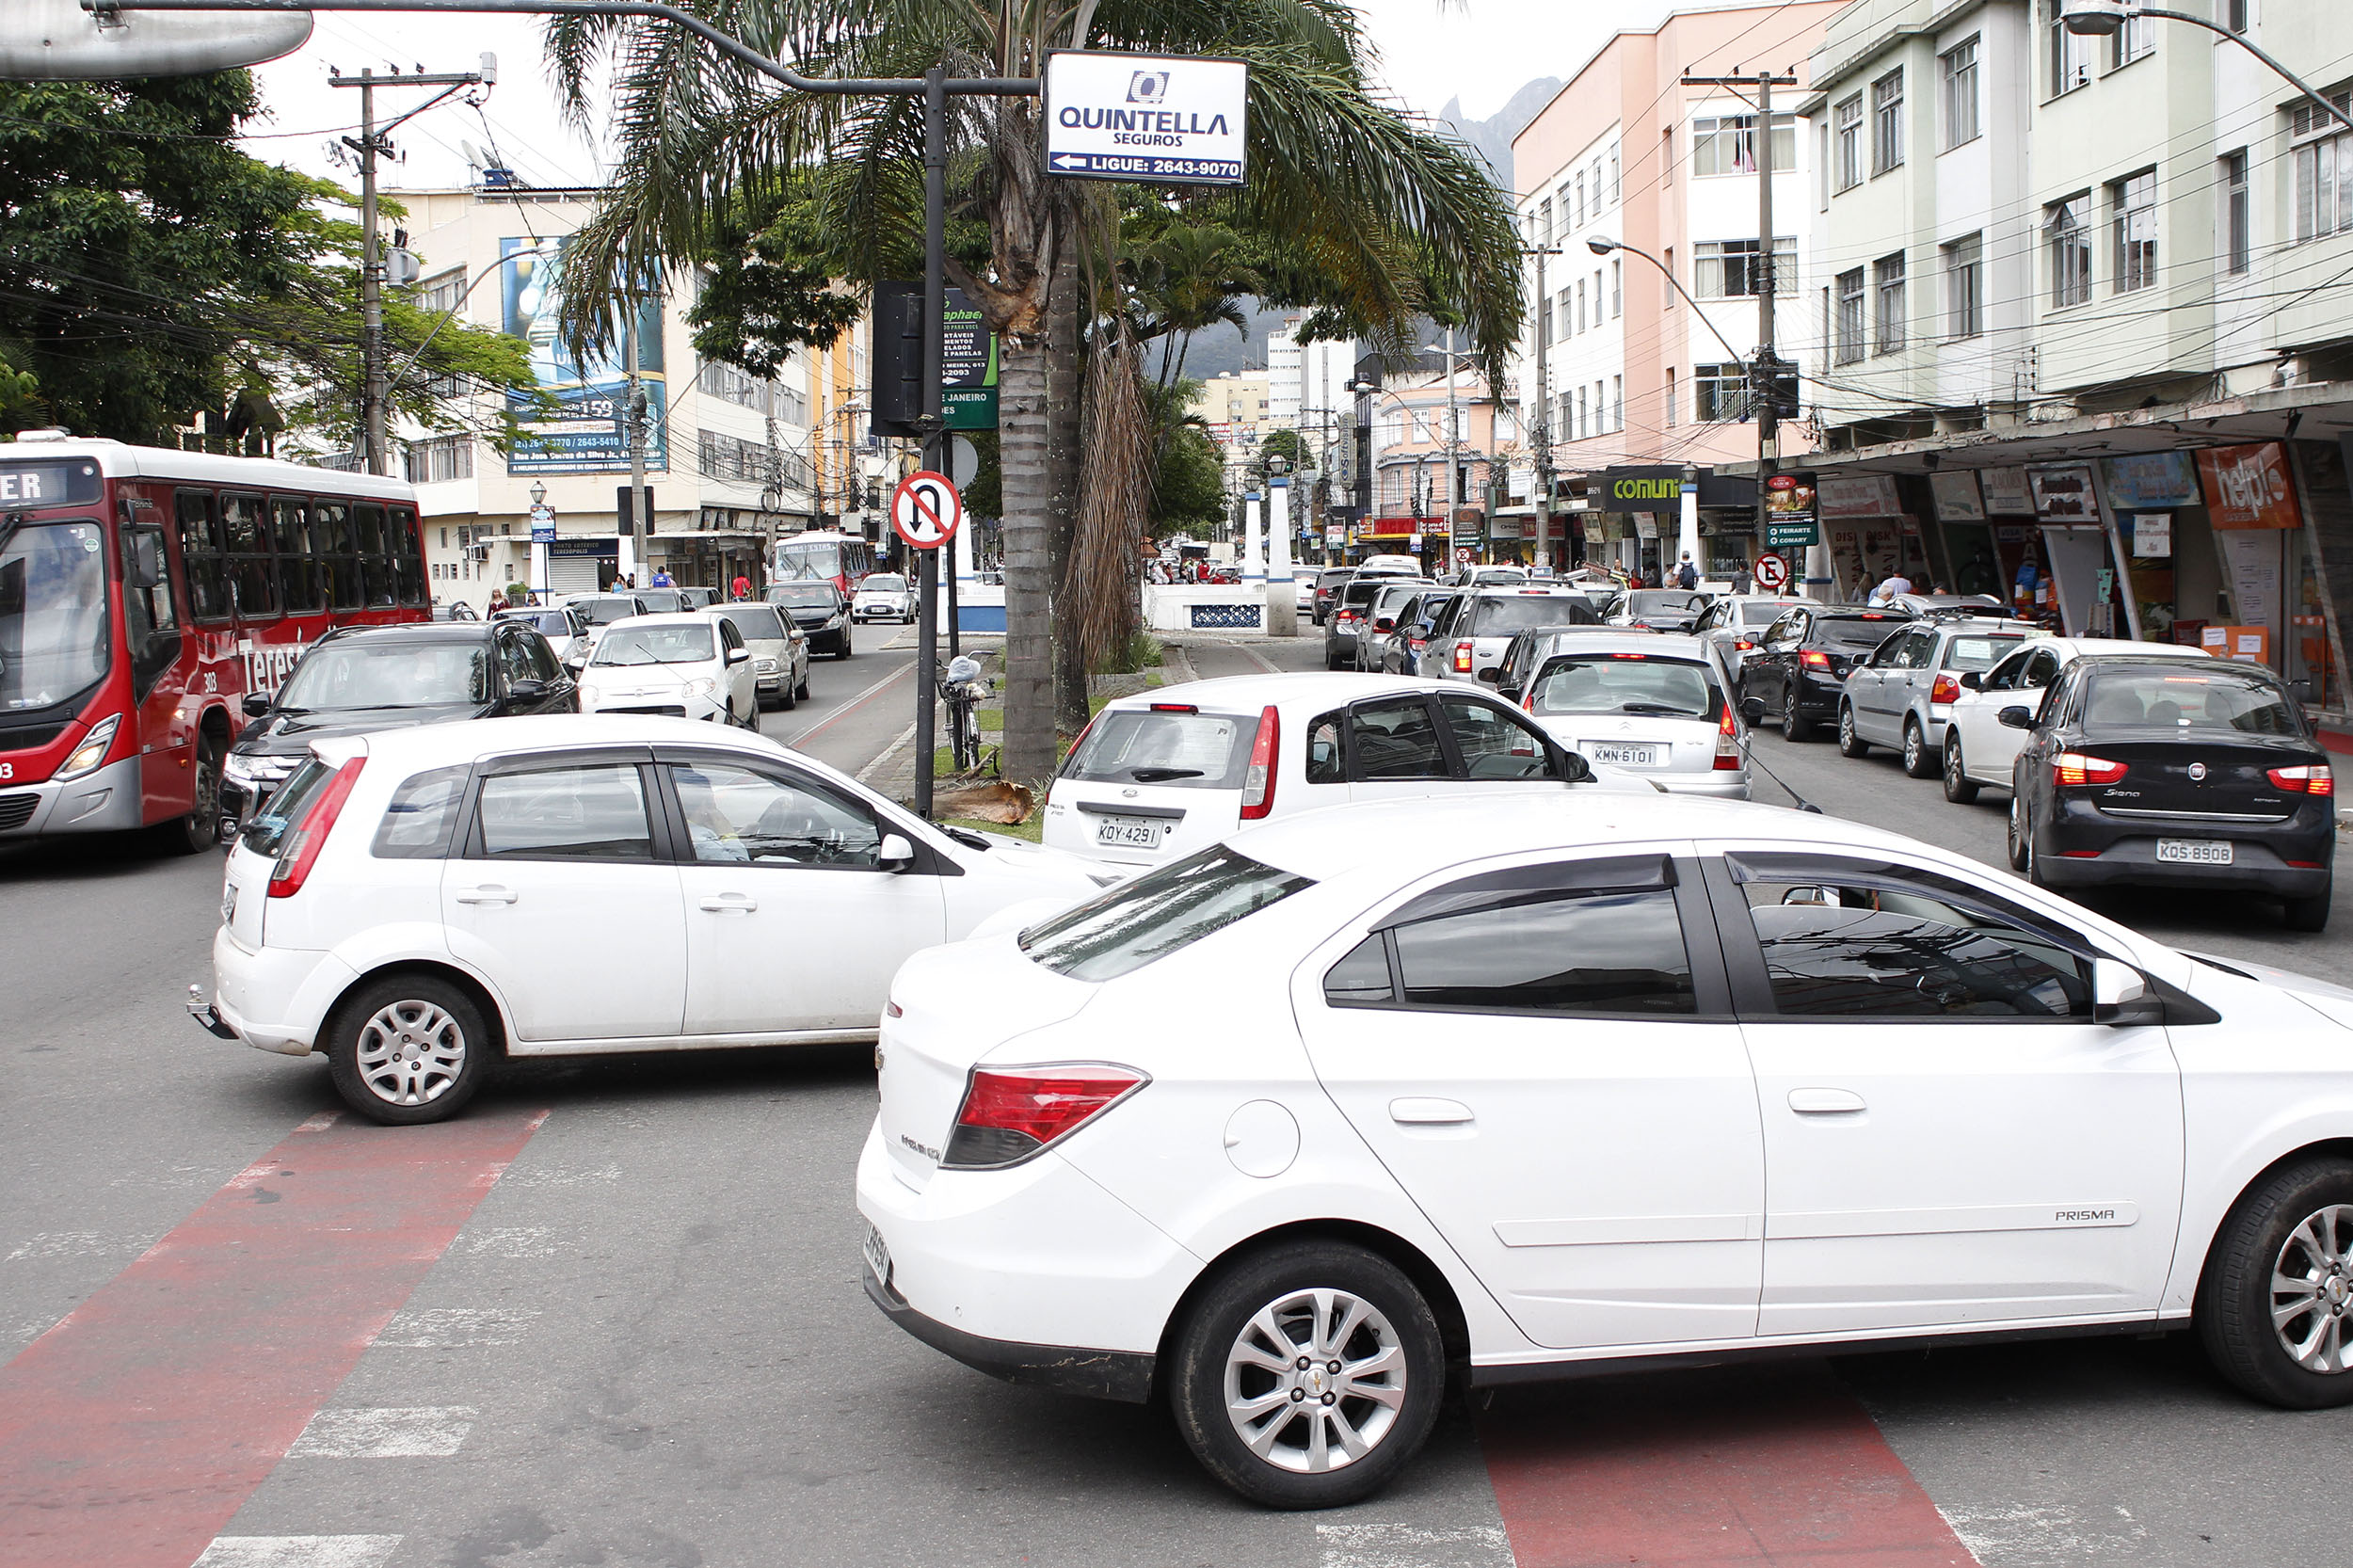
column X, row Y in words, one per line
column 406, row 1049
column 2311, row 1289
column 1959, row 787
column 1918, row 763
column 1849, row 744
column 2277, row 1291
column 1792, row 727
column 1315, row 1380
column 2015, row 833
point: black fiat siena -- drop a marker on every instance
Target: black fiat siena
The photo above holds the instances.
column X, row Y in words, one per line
column 2174, row 773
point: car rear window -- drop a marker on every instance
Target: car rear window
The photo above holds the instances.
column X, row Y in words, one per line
column 1500, row 617
column 604, row 612
column 1638, row 685
column 1979, row 653
column 2210, row 702
column 1664, row 602
column 1360, row 590
column 1763, row 613
column 1158, row 913
column 1187, row 751
column 266, row 834
column 1855, row 632
column 757, row 622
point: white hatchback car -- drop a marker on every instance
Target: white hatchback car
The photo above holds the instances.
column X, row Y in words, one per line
column 687, row 665
column 1978, row 748
column 1654, row 705
column 1167, row 771
column 1284, row 1129
column 415, row 903
column 883, row 595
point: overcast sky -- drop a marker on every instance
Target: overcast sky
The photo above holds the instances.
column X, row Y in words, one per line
column 1430, row 52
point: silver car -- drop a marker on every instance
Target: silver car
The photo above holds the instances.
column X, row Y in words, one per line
column 1384, row 622
column 1476, row 630
column 1734, row 625
column 1654, row 705
column 779, row 651
column 1902, row 695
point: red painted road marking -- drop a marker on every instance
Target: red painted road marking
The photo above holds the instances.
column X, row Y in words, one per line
column 134, row 1429
column 1713, row 1469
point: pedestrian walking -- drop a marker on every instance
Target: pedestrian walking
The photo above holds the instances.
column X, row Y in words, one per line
column 742, row 588
column 1687, row 575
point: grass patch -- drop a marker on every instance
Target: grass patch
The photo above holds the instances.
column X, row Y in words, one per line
column 1142, row 651
column 1031, row 831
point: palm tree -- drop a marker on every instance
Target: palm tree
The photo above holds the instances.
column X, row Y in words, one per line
column 1390, row 220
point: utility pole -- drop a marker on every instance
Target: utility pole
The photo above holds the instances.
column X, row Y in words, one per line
column 1540, row 428
column 1453, row 435
column 634, row 427
column 374, row 389
column 1765, row 365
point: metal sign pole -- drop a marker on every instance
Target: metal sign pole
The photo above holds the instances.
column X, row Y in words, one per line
column 935, row 441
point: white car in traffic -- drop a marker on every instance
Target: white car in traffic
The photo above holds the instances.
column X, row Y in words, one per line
column 1654, row 705
column 686, row 665
column 1164, row 773
column 1281, row 1131
column 1979, row 749
column 883, row 595
column 415, row 904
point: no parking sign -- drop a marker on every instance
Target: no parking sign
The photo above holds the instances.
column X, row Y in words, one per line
column 1773, row 572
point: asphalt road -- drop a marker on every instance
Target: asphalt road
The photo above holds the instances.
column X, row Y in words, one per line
column 644, row 1342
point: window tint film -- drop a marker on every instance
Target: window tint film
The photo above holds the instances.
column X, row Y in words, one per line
column 2216, row 703
column 1633, row 684
column 1325, row 761
column 1612, row 952
column 1396, row 740
column 737, row 814
column 1195, row 751
column 1362, row 977
column 1977, row 654
column 416, row 825
column 1157, row 914
column 1493, row 743
column 596, row 812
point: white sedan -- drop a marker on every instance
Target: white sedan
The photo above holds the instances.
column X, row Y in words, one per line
column 414, row 904
column 1282, row 1130
column 1979, row 749
column 686, row 665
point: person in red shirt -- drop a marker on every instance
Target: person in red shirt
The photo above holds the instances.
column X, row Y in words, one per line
column 742, row 588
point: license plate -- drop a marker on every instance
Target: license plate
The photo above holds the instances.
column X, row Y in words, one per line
column 877, row 1255
column 1621, row 756
column 2195, row 852
column 1129, row 832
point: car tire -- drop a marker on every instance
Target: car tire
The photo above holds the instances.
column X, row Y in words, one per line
column 1850, row 744
column 2310, row 914
column 787, row 694
column 199, row 830
column 1235, row 1366
column 2033, row 867
column 406, row 1048
column 843, row 651
column 1792, row 727
column 1959, row 787
column 2015, row 833
column 2294, row 1227
column 800, row 693
column 1920, row 760
column 1331, row 660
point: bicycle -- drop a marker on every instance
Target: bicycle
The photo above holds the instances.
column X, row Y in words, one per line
column 961, row 689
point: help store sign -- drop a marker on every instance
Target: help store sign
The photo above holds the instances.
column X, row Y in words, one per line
column 1148, row 119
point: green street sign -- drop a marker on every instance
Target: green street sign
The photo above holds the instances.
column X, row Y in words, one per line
column 968, row 370
column 1783, row 535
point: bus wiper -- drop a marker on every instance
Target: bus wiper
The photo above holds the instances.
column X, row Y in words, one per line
column 1161, row 775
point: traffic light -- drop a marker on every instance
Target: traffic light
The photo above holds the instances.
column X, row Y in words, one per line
column 898, row 359
column 1775, row 384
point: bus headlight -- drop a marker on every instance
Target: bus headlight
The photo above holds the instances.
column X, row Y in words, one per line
column 92, row 750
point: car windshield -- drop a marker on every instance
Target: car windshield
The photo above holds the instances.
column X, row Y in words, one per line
column 1139, row 745
column 1500, row 617
column 1637, row 683
column 1156, row 914
column 1979, row 653
column 2212, row 702
column 812, row 596
column 883, row 583
column 53, row 635
column 655, row 645
column 1855, row 631
column 1763, row 612
column 605, row 610
column 759, row 623
column 552, row 622
column 389, row 672
column 1664, row 602
column 662, row 601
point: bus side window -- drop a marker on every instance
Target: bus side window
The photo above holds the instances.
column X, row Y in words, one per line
column 150, row 626
column 201, row 556
column 376, row 567
column 300, row 589
column 407, row 552
column 251, row 580
column 331, row 537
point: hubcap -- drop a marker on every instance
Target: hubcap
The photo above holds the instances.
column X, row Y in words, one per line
column 410, row 1053
column 2312, row 1283
column 1315, row 1380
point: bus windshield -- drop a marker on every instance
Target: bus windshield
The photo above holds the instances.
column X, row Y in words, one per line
column 54, row 633
column 805, row 562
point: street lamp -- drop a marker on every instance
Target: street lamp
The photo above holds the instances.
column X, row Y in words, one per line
column 2100, row 18
column 539, row 494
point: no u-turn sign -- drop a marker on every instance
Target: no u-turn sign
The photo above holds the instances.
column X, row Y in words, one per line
column 926, row 509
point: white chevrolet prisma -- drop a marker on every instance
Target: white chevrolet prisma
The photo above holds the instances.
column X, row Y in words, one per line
column 1289, row 1134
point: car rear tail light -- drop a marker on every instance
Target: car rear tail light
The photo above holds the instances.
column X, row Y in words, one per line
column 2305, row 865
column 1011, row 1114
column 2080, row 854
column 1348, row 614
column 304, row 843
column 1945, row 688
column 2073, row 770
column 1172, row 708
column 1814, row 659
column 1462, row 658
column 1743, row 644
column 1258, row 784
column 2308, row 779
column 1728, row 743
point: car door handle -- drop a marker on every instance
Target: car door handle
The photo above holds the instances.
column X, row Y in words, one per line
column 1825, row 1102
column 730, row 904
column 1430, row 1113
column 487, row 895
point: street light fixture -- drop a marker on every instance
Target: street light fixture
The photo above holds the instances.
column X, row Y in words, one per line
column 2101, row 18
column 538, row 494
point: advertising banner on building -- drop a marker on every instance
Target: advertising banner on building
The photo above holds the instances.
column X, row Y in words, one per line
column 1858, row 496
column 1956, row 498
column 1153, row 121
column 2006, row 492
column 968, row 366
column 588, row 434
column 1789, row 515
column 2064, row 496
column 2248, row 488
column 2150, row 481
column 1658, row 488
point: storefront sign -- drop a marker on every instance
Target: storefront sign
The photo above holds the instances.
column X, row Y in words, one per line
column 2149, row 479
column 1956, row 498
column 1862, row 495
column 1171, row 121
column 2152, row 535
column 1660, row 489
column 2249, row 486
column 1594, row 532
column 1789, row 516
column 2063, row 495
column 2006, row 491
column 968, row 366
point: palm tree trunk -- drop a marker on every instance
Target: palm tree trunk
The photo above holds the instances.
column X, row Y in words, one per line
column 1064, row 307
column 1029, row 754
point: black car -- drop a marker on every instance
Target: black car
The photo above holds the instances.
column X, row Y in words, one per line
column 1799, row 667
column 820, row 610
column 2173, row 773
column 360, row 679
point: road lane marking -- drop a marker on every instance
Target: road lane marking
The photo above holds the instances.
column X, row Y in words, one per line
column 1392, row 1545
column 299, row 1551
column 134, row 1429
column 850, row 707
column 450, row 1328
column 511, row 1241
column 412, row 1431
column 1713, row 1469
column 73, row 1243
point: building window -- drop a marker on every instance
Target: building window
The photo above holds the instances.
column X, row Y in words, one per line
column 1848, row 117
column 1543, row 221
column 1583, row 411
column 1728, row 144
column 1887, row 289
column 1670, row 399
column 2068, row 56
column 2131, row 41
column 1614, row 176
column 1964, row 287
column 1564, row 313
column 1887, row 122
column 2068, row 226
column 2133, row 217
column 1580, row 202
column 1728, row 269
column 1667, row 283
column 1721, row 393
column 2236, row 214
column 1821, row 163
column 2234, row 15
column 1617, row 289
column 1959, row 65
column 438, row 458
column 1580, row 305
column 2323, row 157
column 1849, row 335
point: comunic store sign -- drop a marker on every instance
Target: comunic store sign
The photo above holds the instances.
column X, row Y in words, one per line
column 1660, row 489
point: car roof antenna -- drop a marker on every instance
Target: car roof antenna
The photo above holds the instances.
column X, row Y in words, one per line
column 1803, row 804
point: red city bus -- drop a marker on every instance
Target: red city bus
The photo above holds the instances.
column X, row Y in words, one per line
column 144, row 593
column 841, row 559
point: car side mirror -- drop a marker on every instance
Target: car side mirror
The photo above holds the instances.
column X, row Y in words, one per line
column 526, row 691
column 2016, row 717
column 1972, row 681
column 1385, row 624
column 1752, row 709
column 895, row 853
column 1491, row 672
column 2121, row 998
column 739, row 655
column 1507, row 693
column 1575, row 769
column 255, row 704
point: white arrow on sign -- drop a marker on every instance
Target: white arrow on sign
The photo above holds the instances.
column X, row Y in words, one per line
column 926, row 509
column 1070, row 160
